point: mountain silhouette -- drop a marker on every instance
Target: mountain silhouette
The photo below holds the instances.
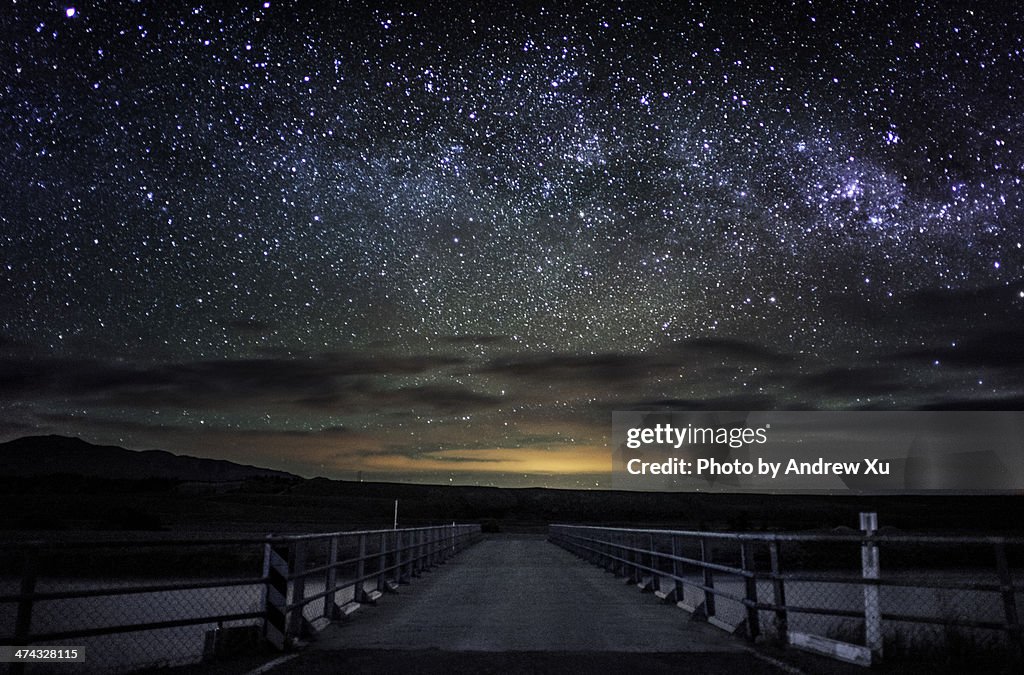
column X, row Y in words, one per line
column 48, row 455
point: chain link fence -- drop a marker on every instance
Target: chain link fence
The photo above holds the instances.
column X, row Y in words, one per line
column 863, row 598
column 142, row 604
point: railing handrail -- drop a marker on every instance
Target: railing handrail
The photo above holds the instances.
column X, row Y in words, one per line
column 232, row 541
column 403, row 552
column 651, row 558
column 767, row 537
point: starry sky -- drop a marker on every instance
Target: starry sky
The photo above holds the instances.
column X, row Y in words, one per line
column 442, row 242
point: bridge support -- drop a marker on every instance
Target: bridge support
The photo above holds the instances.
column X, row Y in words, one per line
column 283, row 567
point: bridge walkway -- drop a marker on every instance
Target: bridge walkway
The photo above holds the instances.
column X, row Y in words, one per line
column 520, row 604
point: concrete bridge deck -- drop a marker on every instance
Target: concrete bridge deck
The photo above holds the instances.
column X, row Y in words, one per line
column 521, row 604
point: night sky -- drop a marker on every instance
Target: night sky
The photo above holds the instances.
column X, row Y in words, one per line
column 442, row 243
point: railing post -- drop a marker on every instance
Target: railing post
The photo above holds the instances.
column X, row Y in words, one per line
column 655, row 566
column 432, row 547
column 404, row 557
column 677, row 572
column 382, row 564
column 359, row 594
column 428, row 533
column 750, row 583
column 778, row 591
column 276, row 561
column 870, row 571
column 627, row 554
column 23, row 622
column 410, row 552
column 331, row 579
column 298, row 569
column 1013, row 628
column 399, row 567
column 634, row 559
column 621, row 551
column 706, row 556
column 417, row 550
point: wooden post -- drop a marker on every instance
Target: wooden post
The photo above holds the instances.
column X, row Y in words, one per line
column 870, row 570
column 750, row 584
column 1013, row 628
column 779, row 592
column 709, row 577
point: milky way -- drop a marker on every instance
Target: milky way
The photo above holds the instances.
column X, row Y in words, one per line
column 344, row 237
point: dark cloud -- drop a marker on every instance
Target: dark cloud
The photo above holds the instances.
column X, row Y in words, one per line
column 16, row 427
column 999, row 349
column 852, row 382
column 315, row 381
column 728, row 350
column 979, row 403
column 985, row 306
column 364, row 395
column 608, row 367
column 738, row 402
column 119, row 425
column 451, row 399
column 706, row 359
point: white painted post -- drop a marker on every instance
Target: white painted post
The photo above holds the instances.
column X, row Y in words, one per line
column 395, row 526
column 870, row 570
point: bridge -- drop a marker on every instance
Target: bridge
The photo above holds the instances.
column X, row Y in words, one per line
column 519, row 603
column 448, row 599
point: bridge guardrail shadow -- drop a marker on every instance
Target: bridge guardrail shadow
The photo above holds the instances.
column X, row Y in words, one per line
column 855, row 597
column 162, row 602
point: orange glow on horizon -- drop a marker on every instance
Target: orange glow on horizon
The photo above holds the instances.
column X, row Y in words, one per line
column 569, row 459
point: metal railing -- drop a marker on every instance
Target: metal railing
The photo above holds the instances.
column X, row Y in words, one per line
column 828, row 592
column 155, row 602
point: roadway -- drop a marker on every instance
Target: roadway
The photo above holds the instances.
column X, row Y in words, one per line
column 522, row 605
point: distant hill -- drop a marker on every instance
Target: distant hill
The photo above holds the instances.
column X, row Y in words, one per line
column 47, row 455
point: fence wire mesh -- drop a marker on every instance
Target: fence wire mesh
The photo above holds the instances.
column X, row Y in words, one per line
column 954, row 599
column 138, row 605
